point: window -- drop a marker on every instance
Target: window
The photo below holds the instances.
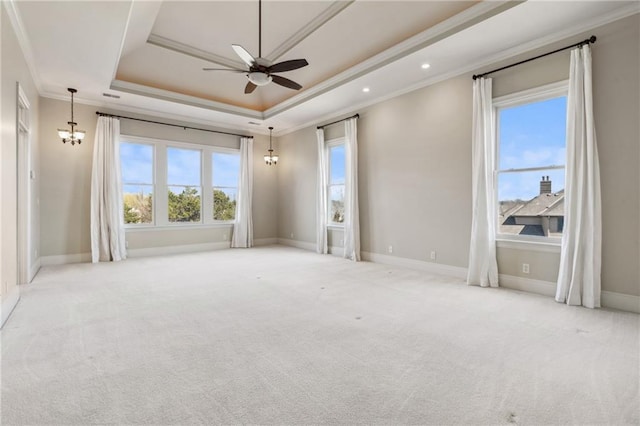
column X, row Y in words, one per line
column 136, row 162
column 173, row 184
column 183, row 184
column 531, row 160
column 225, row 177
column 336, row 182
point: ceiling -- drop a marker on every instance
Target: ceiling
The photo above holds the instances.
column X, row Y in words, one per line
column 151, row 53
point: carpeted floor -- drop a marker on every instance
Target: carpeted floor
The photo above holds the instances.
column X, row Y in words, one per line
column 277, row 335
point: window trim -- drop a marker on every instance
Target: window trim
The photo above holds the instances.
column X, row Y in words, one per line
column 328, row 145
column 535, row 94
column 160, row 208
column 153, row 183
column 213, row 187
column 200, row 187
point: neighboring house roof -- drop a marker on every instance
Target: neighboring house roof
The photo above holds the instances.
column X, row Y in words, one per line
column 515, row 216
column 551, row 204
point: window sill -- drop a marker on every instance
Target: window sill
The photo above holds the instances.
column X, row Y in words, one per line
column 529, row 245
column 152, row 228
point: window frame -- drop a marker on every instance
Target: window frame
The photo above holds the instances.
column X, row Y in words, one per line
column 536, row 94
column 153, row 183
column 213, row 187
column 182, row 146
column 328, row 145
column 161, row 187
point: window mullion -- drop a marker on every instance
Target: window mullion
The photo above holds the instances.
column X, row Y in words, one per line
column 162, row 199
column 207, row 188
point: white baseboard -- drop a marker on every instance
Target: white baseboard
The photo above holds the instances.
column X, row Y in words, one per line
column 258, row 242
column 529, row 285
column 187, row 248
column 434, row 268
column 64, row 259
column 8, row 305
column 34, row 269
column 623, row 302
column 298, row 244
column 608, row 299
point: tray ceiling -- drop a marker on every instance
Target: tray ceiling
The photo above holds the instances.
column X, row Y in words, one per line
column 151, row 53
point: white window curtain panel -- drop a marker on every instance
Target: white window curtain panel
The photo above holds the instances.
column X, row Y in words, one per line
column 483, row 266
column 580, row 256
column 107, row 220
column 351, row 211
column 243, row 226
column 321, row 195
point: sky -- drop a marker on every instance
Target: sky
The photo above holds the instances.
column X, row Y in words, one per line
column 136, row 162
column 183, row 166
column 531, row 135
column 337, row 164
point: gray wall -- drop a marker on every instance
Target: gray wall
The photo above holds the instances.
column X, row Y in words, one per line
column 15, row 70
column 66, row 183
column 415, row 165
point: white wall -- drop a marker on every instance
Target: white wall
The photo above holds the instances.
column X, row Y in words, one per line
column 415, row 165
column 14, row 70
column 66, row 184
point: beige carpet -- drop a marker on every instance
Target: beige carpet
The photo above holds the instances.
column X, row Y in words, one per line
column 277, row 335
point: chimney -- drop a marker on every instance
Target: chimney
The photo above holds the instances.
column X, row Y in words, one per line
column 545, row 185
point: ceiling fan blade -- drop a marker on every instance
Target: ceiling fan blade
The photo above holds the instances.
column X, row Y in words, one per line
column 244, row 55
column 223, row 69
column 286, row 82
column 250, row 87
column 288, row 65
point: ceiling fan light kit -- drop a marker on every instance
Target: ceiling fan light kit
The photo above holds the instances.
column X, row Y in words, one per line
column 260, row 78
column 261, row 72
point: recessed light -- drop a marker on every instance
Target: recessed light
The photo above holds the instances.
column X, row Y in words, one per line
column 425, row 66
column 366, row 89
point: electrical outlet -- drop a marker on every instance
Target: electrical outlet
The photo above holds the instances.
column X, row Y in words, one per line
column 292, row 235
column 390, row 249
column 525, row 268
column 433, row 255
column 126, row 244
column 224, row 237
column 341, row 241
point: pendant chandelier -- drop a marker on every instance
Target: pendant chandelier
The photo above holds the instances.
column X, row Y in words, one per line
column 72, row 135
column 271, row 158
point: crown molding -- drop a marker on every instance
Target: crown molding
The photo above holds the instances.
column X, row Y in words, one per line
column 185, row 49
column 140, row 20
column 113, row 106
column 474, row 66
column 23, row 41
column 308, row 29
column 462, row 20
column 152, row 92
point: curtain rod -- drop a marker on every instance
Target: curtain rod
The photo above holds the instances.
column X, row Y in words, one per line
column 338, row 121
column 591, row 39
column 104, row 114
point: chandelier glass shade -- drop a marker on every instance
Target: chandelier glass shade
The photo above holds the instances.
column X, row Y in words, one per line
column 271, row 158
column 72, row 135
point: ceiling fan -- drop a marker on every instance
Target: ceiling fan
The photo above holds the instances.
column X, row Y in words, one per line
column 261, row 71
